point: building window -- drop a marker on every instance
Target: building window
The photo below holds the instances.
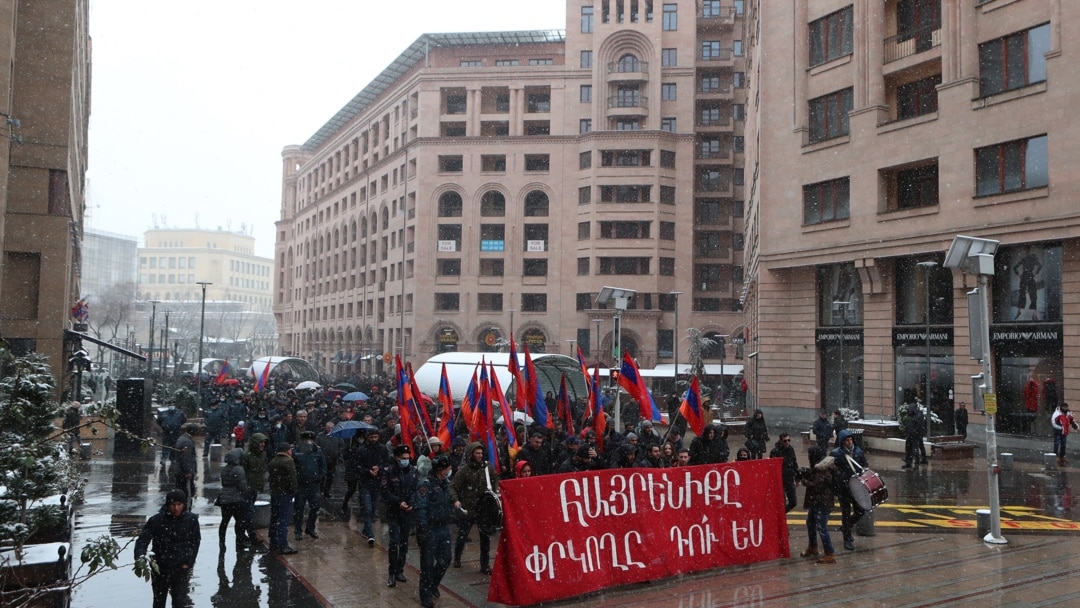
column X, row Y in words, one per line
column 584, row 231
column 669, row 58
column 712, row 50
column 583, row 271
column 628, row 124
column 450, row 205
column 541, row 61
column 1014, row 61
column 536, row 204
column 667, row 195
column 737, row 144
column 827, row 201
column 449, row 238
column 449, row 267
column 831, row 36
column 449, row 129
column 625, row 158
column 1011, row 166
column 471, row 63
column 537, row 127
column 450, row 164
column 667, row 159
column 491, row 267
column 911, row 187
column 489, row 302
column 667, row 267
column 538, row 103
column 625, row 194
column 534, row 302
column 707, row 211
column 534, row 268
column 447, row 302
column 671, row 17
column 736, row 48
column 668, row 124
column 584, row 195
column 493, row 163
column 537, row 162
column 738, row 80
column 628, row 63
column 625, row 265
column 585, row 160
column 737, row 176
column 711, row 9
column 586, row 59
column 625, row 230
column 917, row 98
column 586, row 93
column 492, row 204
column 505, row 63
column 586, row 20
column 669, row 91
column 455, row 102
column 667, row 231
column 829, row 115
column 585, row 125
column 738, row 111
column 502, row 102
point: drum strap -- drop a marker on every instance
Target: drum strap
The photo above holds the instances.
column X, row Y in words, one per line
column 858, row 468
column 487, row 477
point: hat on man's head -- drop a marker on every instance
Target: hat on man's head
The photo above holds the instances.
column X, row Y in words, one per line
column 583, row 452
column 442, row 462
column 434, row 441
column 401, row 450
column 284, row 446
column 176, row 496
column 307, row 435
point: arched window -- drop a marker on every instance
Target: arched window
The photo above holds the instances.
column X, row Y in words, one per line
column 629, row 63
column 493, row 204
column 536, row 340
column 448, row 340
column 536, row 204
column 385, row 218
column 450, row 205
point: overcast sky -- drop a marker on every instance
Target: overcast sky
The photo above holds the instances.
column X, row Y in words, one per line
column 193, row 100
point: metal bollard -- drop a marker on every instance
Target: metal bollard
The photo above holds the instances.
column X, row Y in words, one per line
column 262, row 514
column 1006, row 461
column 1050, row 462
column 982, row 522
column 215, row 452
column 865, row 525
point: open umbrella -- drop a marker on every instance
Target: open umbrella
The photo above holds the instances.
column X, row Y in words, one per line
column 356, row 396
column 345, row 386
column 308, row 385
column 349, row 428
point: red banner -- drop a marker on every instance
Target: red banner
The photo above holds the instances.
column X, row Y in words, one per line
column 564, row 535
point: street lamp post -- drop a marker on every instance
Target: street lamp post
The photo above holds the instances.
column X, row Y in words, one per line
column 150, row 354
column 511, row 311
column 598, row 322
column 675, row 341
column 842, row 307
column 202, row 328
column 927, row 267
column 572, row 343
column 164, row 350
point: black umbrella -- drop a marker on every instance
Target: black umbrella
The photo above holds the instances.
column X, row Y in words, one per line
column 349, row 428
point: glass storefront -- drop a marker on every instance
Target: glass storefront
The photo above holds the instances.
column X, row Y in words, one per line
column 839, row 337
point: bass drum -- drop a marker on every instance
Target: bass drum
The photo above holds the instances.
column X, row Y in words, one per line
column 489, row 515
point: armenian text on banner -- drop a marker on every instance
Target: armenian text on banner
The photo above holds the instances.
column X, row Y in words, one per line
column 607, row 528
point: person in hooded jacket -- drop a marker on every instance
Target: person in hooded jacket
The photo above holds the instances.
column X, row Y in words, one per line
column 310, row 473
column 818, row 503
column 790, row 470
column 711, row 447
column 757, row 435
column 170, row 422
column 433, row 508
column 850, row 511
column 184, row 466
column 233, row 498
column 255, row 463
column 174, row 537
column 217, row 426
column 466, row 486
column 399, row 483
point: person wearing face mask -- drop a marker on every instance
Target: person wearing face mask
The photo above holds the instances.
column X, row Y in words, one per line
column 434, row 512
column 398, row 484
column 278, row 434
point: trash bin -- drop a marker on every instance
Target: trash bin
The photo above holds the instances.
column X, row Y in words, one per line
column 215, row 452
column 982, row 522
column 1006, row 461
column 1050, row 461
column 262, row 514
column 865, row 525
column 86, row 449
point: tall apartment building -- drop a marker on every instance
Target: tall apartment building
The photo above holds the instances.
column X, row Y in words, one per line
column 44, row 109
column 878, row 132
column 492, row 183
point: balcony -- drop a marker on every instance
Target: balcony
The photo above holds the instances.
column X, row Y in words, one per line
column 622, row 71
column 712, row 15
column 634, row 102
column 911, row 42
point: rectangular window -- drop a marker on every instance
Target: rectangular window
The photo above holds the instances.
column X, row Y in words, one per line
column 738, row 111
column 737, row 144
column 534, row 302
column 827, row 201
column 586, row 93
column 585, row 160
column 669, row 58
column 586, row 60
column 831, row 36
column 537, row 162
column 534, row 268
column 712, row 50
column 667, row 231
column 736, row 48
column 585, row 125
column 625, row 194
column 667, row 267
column 710, row 9
column 669, row 91
column 450, row 164
column 538, row 103
column 738, row 80
column 667, row 159
column 491, row 267
column 667, row 195
column 917, row 98
column 449, row 267
column 489, row 302
column 625, row 230
column 504, row 63
column 534, row 128
column 584, row 195
column 455, row 102
column 1014, row 61
column 447, row 302
column 668, row 124
column 471, row 63
column 829, row 115
column 737, row 176
column 671, row 17
column 1011, row 166
column 495, row 163
column 625, row 266
column 625, row 158
column 628, row 124
column 584, row 231
column 911, row 187
column 583, row 271
column 586, row 20
column 541, row 61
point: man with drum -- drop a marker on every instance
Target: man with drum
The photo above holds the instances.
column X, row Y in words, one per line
column 472, row 480
column 850, row 510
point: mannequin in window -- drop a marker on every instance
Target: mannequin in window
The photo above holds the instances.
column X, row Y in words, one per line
column 1031, row 402
column 1028, row 269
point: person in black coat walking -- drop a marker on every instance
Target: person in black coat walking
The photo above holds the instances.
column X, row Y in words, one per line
column 783, row 449
column 757, row 435
column 174, row 536
column 399, row 484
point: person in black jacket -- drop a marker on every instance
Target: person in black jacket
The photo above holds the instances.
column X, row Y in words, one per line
column 364, row 462
column 434, row 512
column 757, row 435
column 174, row 534
column 822, row 430
column 310, row 473
column 233, row 498
column 818, row 502
column 783, row 449
column 399, row 483
column 850, row 511
column 711, row 447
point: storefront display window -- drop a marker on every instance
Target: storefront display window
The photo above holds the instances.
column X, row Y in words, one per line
column 839, row 337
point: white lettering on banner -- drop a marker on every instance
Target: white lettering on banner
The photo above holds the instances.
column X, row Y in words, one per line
column 698, row 536
column 582, row 498
column 744, row 537
column 539, row 562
